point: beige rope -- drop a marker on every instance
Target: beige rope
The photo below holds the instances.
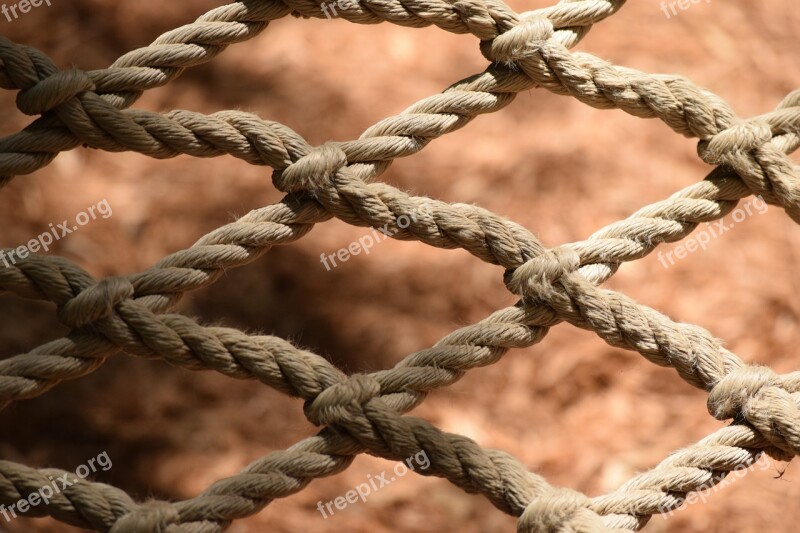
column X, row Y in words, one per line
column 231, row 338
column 123, row 303
column 111, row 310
column 726, row 187
column 84, row 103
column 364, row 412
column 530, row 46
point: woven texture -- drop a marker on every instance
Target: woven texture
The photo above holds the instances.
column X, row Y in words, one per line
column 365, row 413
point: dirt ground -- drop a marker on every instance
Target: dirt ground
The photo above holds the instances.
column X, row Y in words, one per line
column 582, row 414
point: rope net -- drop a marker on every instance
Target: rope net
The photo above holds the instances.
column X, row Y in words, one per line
column 364, row 413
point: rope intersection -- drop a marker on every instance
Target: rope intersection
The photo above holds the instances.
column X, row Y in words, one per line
column 366, row 412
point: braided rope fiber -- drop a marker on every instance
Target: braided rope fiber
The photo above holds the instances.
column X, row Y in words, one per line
column 367, row 412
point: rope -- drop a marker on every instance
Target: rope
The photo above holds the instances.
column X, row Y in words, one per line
column 83, row 111
column 364, row 412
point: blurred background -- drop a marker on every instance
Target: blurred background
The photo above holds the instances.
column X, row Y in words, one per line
column 571, row 408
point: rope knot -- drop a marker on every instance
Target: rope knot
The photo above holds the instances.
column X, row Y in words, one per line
column 484, row 20
column 520, row 41
column 149, row 516
column 53, row 91
column 742, row 137
column 338, row 401
column 312, row 171
column 730, row 396
column 536, row 277
column 95, row 302
column 552, row 512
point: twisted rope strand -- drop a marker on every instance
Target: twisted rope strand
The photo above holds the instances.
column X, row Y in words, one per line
column 674, row 475
column 714, row 456
column 689, row 110
column 363, row 413
column 43, row 87
column 660, row 490
column 720, row 185
column 401, row 385
column 493, row 239
column 303, row 374
column 83, row 107
column 335, row 175
column 279, row 147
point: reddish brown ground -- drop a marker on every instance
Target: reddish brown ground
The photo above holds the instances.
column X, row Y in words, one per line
column 571, row 408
